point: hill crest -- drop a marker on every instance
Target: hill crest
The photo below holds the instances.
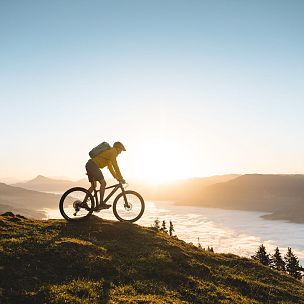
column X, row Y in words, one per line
column 102, row 261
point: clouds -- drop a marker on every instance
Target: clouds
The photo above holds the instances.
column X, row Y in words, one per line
column 227, row 231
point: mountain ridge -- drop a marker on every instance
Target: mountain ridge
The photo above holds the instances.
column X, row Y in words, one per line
column 18, row 199
column 43, row 183
column 282, row 195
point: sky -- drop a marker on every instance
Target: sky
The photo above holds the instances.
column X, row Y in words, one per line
column 192, row 88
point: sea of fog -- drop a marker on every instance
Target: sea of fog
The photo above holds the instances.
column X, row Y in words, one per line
column 227, row 231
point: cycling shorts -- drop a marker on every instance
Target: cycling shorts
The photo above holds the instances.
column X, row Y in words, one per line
column 94, row 173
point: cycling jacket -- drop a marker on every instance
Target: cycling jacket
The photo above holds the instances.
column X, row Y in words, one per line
column 108, row 159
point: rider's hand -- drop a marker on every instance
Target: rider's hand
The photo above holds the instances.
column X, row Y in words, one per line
column 122, row 181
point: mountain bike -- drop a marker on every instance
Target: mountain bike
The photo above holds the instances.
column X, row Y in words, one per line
column 78, row 203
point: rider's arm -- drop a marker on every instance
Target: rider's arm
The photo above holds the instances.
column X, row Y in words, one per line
column 113, row 167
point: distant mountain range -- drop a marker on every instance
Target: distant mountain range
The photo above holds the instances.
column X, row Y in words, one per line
column 280, row 195
column 42, row 183
column 172, row 191
column 185, row 191
column 28, row 197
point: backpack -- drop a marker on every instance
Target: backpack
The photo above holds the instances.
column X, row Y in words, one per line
column 104, row 146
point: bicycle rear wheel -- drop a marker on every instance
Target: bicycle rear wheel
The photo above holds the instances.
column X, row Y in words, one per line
column 76, row 204
column 130, row 210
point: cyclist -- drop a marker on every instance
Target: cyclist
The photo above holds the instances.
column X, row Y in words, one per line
column 104, row 159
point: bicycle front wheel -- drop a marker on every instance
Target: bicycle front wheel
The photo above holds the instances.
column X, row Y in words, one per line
column 130, row 209
column 76, row 204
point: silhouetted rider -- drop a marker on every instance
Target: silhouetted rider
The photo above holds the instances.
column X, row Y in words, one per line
column 104, row 159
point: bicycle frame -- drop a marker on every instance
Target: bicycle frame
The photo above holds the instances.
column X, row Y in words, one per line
column 116, row 187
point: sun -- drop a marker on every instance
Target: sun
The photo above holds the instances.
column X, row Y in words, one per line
column 161, row 162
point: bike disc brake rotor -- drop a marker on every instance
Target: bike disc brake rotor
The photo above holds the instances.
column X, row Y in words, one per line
column 128, row 207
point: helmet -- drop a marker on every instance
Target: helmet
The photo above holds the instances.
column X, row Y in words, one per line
column 119, row 145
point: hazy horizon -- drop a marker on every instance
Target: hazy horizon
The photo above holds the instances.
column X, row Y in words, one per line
column 17, row 180
column 13, row 180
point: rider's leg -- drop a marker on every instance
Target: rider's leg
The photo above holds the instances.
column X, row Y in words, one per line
column 102, row 189
column 102, row 205
column 94, row 174
column 93, row 186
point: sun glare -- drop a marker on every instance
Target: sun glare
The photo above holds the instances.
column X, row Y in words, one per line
column 162, row 162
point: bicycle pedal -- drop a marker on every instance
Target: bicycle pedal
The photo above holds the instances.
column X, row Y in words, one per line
column 102, row 207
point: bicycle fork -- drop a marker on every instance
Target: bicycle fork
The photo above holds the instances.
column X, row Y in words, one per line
column 126, row 204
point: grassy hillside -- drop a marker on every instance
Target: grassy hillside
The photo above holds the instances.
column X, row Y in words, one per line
column 102, row 261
